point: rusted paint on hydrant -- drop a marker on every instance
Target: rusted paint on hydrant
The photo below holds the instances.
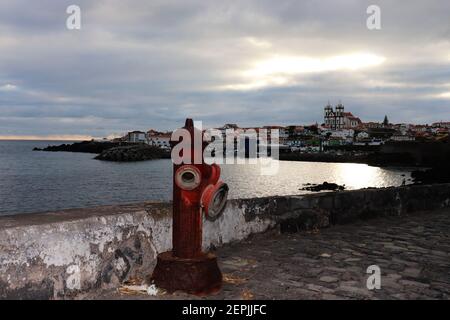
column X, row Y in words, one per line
column 196, row 190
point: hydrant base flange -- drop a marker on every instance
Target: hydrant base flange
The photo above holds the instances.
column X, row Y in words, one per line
column 200, row 275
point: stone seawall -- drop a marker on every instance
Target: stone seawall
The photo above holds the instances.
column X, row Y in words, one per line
column 59, row 254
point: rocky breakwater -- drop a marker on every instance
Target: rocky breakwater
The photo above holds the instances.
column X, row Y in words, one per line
column 136, row 152
column 83, row 146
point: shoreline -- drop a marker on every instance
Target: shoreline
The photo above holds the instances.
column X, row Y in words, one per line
column 323, row 157
column 303, row 191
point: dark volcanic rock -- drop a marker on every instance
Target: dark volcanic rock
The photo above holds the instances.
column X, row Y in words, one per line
column 437, row 174
column 324, row 186
column 136, row 152
column 83, row 146
column 391, row 159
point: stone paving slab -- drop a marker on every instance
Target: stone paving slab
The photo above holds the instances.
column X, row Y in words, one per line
column 413, row 253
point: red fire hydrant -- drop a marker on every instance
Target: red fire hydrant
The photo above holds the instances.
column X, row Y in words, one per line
column 196, row 190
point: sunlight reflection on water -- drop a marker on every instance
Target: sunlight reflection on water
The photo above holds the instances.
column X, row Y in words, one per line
column 246, row 181
column 44, row 181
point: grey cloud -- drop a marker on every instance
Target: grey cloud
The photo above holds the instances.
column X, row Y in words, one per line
column 143, row 64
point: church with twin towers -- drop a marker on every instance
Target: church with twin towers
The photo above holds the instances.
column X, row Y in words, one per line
column 338, row 119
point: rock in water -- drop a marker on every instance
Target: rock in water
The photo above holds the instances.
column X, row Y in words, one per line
column 324, row 187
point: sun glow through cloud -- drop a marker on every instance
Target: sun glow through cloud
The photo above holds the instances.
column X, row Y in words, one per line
column 280, row 69
column 444, row 95
column 297, row 65
column 8, row 87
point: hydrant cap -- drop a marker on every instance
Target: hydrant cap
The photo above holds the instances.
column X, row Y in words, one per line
column 214, row 199
column 188, row 177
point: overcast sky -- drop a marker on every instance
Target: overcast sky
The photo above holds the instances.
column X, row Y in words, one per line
column 150, row 64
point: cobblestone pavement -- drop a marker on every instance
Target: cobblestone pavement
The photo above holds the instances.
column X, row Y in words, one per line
column 413, row 253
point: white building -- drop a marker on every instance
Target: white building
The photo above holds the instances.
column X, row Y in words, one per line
column 160, row 139
column 136, row 136
column 350, row 121
column 344, row 135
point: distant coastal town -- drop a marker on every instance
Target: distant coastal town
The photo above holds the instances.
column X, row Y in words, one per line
column 341, row 137
column 339, row 128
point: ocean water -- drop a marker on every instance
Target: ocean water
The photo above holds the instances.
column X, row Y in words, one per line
column 34, row 181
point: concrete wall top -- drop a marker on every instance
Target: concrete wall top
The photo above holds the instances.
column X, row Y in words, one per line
column 59, row 254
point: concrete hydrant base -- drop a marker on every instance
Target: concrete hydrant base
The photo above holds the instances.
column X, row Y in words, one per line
column 199, row 276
